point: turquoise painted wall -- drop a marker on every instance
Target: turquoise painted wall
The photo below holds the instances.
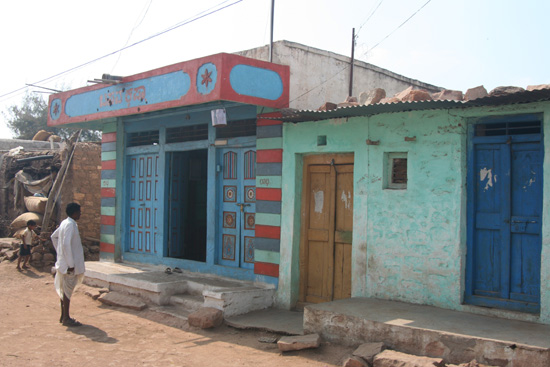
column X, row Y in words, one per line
column 408, row 245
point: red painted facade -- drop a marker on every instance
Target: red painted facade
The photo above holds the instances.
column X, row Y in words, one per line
column 223, row 90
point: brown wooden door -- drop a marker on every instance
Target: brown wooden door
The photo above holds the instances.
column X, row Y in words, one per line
column 327, row 213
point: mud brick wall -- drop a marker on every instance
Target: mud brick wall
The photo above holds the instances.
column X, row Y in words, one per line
column 83, row 186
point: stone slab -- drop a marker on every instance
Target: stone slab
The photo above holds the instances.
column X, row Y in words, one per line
column 206, row 318
column 299, row 342
column 367, row 351
column 391, row 358
column 122, row 300
column 271, row 319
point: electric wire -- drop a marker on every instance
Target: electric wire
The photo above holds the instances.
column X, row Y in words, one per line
column 401, row 25
column 178, row 25
column 364, row 54
column 131, row 33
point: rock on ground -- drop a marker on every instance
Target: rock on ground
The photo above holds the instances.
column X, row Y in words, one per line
column 367, row 351
column 122, row 300
column 298, row 342
column 355, row 362
column 391, row 358
column 206, row 318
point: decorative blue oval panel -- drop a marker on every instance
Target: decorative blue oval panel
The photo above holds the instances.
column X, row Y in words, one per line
column 148, row 91
column 256, row 82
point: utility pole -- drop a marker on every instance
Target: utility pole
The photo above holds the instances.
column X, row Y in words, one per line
column 352, row 62
column 271, row 36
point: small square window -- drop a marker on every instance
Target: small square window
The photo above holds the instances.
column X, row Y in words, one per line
column 396, row 171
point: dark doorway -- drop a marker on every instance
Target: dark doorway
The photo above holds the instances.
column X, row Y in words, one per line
column 187, row 205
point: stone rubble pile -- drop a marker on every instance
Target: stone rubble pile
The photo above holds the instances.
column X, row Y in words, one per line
column 378, row 95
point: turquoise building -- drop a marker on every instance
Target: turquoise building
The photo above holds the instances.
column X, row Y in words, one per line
column 436, row 202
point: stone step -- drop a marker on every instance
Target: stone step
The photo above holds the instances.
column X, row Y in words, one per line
column 189, row 302
column 238, row 301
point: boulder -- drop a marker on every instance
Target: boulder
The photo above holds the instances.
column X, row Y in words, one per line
column 403, row 93
column 206, row 318
column 391, row 358
column 48, row 258
column 328, row 106
column 448, row 95
column 355, row 362
column 503, row 91
column 372, row 97
column 390, row 100
column 367, row 351
column 36, row 257
column 538, row 87
column 417, row 95
column 475, row 93
column 299, row 342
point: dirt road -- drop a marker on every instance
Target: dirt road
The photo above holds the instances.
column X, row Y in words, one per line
column 30, row 334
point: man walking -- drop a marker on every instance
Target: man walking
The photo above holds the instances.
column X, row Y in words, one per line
column 70, row 261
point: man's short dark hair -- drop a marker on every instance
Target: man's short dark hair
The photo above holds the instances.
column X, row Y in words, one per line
column 31, row 223
column 72, row 208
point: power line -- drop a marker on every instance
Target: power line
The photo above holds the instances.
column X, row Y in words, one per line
column 346, row 67
column 185, row 22
column 371, row 14
column 401, row 25
column 132, row 32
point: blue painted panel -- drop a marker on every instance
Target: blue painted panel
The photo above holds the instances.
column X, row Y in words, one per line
column 108, row 147
column 269, row 169
column 156, row 89
column 273, row 131
column 109, row 174
column 108, row 202
column 504, row 234
column 143, row 203
column 107, row 229
column 237, row 203
column 207, row 76
column 268, row 244
column 272, row 207
column 525, row 222
column 256, row 82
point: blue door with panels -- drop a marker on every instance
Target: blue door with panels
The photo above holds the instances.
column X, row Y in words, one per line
column 143, row 203
column 237, row 207
column 505, row 213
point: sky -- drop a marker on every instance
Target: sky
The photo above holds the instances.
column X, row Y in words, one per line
column 456, row 44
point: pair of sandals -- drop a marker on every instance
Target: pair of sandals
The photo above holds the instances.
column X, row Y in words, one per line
column 175, row 270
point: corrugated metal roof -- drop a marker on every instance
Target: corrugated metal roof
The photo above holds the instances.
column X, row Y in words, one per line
column 375, row 109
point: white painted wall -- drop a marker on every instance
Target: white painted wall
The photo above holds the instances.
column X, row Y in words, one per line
column 318, row 76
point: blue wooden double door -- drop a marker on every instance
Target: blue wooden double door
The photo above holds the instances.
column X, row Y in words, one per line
column 143, row 208
column 505, row 212
column 237, row 207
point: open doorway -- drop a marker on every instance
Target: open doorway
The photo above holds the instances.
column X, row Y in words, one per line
column 187, row 205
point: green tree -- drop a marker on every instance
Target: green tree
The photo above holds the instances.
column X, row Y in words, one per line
column 32, row 116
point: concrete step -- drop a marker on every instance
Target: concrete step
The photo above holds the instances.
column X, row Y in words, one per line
column 233, row 297
column 188, row 302
column 457, row 337
column 238, row 301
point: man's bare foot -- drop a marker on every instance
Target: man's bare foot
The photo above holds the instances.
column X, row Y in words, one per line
column 25, row 267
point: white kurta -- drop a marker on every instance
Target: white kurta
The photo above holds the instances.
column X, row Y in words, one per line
column 68, row 245
column 70, row 254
